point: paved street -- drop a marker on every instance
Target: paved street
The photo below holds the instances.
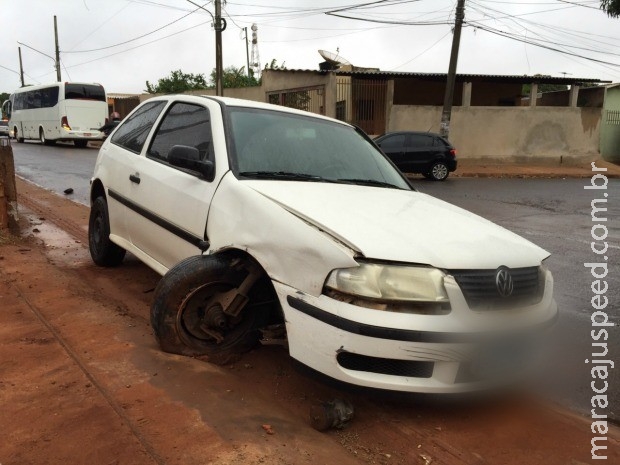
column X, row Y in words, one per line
column 553, row 213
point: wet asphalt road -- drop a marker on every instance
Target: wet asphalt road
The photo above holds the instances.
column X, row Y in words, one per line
column 553, row 213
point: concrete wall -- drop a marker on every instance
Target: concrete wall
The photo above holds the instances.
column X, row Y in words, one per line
column 515, row 134
column 412, row 91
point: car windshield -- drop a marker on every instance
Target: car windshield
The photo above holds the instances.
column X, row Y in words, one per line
column 277, row 145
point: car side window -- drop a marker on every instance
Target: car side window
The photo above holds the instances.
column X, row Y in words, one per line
column 394, row 142
column 134, row 130
column 419, row 140
column 184, row 124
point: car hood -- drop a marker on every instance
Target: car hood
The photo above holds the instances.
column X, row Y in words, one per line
column 402, row 226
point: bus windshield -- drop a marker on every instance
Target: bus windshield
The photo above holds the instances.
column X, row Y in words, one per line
column 84, row 92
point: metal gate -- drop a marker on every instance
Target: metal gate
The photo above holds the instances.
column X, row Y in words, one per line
column 310, row 99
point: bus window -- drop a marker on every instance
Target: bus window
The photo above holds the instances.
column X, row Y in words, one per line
column 84, row 92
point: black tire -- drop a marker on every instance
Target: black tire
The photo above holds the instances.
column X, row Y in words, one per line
column 16, row 135
column 103, row 251
column 439, row 171
column 179, row 308
column 80, row 143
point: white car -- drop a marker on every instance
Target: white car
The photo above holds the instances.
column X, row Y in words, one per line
column 276, row 223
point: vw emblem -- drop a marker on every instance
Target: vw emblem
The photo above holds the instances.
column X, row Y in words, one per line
column 503, row 281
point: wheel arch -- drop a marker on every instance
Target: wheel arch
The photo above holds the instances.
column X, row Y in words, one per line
column 97, row 190
column 231, row 253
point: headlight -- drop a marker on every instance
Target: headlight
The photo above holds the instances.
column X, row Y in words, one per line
column 400, row 283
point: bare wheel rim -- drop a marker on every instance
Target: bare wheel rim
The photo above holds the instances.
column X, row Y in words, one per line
column 198, row 319
column 440, row 171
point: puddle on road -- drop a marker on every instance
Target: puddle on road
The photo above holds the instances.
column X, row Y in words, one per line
column 61, row 248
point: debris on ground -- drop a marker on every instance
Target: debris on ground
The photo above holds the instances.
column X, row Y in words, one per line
column 332, row 414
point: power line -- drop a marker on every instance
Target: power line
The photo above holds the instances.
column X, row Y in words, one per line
column 139, row 46
column 138, row 37
column 422, row 53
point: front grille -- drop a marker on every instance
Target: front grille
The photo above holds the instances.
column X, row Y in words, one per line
column 481, row 291
column 385, row 366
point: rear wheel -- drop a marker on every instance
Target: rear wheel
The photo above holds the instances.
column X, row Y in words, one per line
column 191, row 312
column 103, row 251
column 80, row 143
column 43, row 139
column 439, row 171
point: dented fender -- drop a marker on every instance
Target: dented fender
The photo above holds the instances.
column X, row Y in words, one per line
column 291, row 250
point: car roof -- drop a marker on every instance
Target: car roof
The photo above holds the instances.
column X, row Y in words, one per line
column 241, row 103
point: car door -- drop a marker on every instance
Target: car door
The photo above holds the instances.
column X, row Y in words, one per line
column 117, row 167
column 169, row 218
column 393, row 146
column 419, row 152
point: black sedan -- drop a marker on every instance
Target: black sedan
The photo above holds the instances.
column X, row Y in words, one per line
column 419, row 152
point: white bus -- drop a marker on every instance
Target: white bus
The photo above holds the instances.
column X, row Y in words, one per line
column 63, row 111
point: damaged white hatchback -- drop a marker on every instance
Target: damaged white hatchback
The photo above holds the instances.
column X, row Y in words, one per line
column 269, row 222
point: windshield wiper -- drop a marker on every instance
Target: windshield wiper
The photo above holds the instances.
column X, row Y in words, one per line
column 369, row 182
column 281, row 175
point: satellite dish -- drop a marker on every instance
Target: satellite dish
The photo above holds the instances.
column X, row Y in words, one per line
column 333, row 58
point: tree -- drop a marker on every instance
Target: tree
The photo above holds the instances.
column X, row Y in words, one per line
column 177, row 82
column 543, row 87
column 235, row 77
column 273, row 64
column 611, row 7
column 4, row 96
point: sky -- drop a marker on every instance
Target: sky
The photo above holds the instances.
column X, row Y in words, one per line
column 123, row 43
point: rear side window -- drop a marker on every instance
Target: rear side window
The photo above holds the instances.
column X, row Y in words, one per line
column 393, row 142
column 420, row 140
column 184, row 124
column 134, row 130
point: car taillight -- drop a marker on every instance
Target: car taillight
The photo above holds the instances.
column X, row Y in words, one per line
column 64, row 122
column 453, row 152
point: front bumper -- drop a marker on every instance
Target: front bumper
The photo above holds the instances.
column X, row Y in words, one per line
column 412, row 353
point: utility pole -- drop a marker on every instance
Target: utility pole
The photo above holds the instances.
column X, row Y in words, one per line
column 247, row 50
column 21, row 67
column 446, row 114
column 57, row 50
column 220, row 25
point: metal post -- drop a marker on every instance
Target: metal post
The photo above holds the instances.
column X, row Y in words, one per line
column 57, row 50
column 21, row 67
column 247, row 50
column 446, row 114
column 219, row 69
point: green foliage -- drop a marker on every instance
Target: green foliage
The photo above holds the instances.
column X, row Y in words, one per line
column 525, row 90
column 4, row 96
column 611, row 7
column 236, row 77
column 273, row 64
column 177, row 82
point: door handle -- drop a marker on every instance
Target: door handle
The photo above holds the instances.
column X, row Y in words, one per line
column 135, row 178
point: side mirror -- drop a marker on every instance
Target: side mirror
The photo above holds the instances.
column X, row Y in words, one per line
column 188, row 157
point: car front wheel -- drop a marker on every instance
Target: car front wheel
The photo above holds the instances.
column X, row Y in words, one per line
column 191, row 312
column 103, row 251
column 439, row 171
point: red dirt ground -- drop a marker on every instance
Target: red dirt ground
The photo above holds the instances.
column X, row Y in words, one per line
column 82, row 381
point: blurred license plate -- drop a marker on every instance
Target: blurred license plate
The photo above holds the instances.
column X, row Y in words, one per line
column 87, row 134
